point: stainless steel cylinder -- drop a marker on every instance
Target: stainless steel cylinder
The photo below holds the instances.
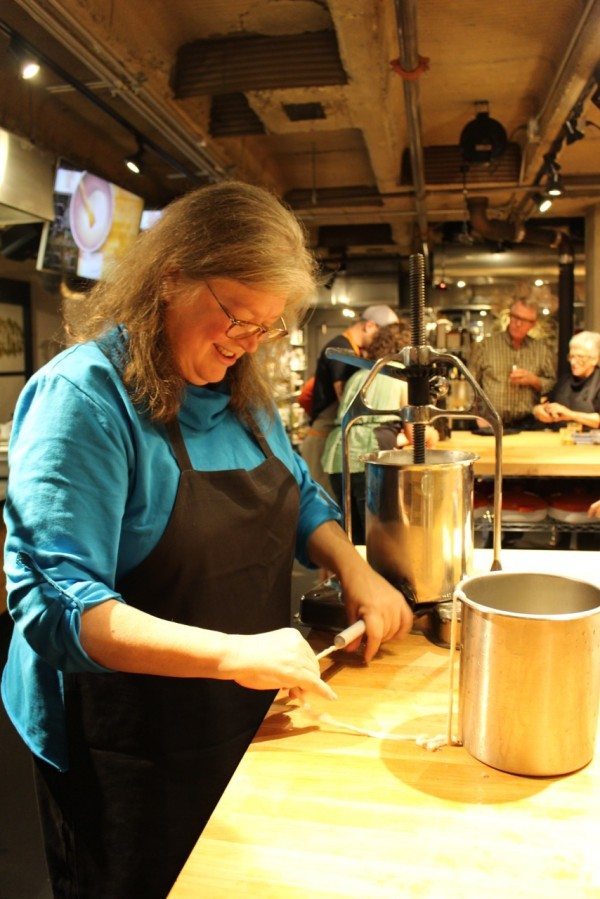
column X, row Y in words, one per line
column 419, row 520
column 529, row 671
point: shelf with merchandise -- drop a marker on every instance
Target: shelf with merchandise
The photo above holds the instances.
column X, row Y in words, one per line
column 287, row 373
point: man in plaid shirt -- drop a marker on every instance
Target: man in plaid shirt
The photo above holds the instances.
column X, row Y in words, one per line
column 514, row 369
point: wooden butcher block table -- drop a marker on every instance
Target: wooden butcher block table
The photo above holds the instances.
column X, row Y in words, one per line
column 318, row 811
column 529, row 454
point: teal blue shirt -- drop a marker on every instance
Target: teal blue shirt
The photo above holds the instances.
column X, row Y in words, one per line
column 91, row 487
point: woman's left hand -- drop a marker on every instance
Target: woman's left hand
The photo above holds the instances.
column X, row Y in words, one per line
column 366, row 593
column 384, row 609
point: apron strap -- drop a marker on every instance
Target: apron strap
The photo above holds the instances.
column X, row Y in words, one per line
column 260, row 439
column 178, row 445
column 181, row 454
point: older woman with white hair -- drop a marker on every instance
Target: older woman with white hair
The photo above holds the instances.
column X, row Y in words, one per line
column 576, row 396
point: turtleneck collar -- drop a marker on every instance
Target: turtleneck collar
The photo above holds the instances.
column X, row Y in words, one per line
column 204, row 407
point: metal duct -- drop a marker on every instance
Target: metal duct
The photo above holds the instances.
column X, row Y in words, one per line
column 257, row 62
column 513, row 232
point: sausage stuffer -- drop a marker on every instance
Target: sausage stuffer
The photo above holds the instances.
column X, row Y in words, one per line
column 415, row 364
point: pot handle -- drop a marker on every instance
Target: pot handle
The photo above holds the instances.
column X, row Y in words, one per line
column 454, row 741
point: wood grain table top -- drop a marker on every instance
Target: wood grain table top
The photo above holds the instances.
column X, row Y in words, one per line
column 315, row 810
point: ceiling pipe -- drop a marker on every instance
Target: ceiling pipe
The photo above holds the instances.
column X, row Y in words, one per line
column 70, row 31
column 572, row 77
column 99, row 103
column 513, row 232
column 406, row 22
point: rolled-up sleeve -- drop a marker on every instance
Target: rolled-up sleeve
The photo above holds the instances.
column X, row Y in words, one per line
column 67, row 484
column 49, row 617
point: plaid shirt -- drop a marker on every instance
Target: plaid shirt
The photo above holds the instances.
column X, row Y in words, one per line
column 492, row 361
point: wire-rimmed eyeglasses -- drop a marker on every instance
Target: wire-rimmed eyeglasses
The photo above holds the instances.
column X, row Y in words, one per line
column 521, row 320
column 578, row 357
column 240, row 329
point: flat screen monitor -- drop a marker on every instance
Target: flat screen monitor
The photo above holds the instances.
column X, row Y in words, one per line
column 95, row 221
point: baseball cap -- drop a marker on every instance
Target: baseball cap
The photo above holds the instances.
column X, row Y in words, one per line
column 381, row 315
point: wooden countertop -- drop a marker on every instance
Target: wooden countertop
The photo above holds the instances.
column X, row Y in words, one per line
column 315, row 811
column 529, row 454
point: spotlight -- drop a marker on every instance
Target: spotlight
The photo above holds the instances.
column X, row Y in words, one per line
column 29, row 67
column 554, row 185
column 572, row 131
column 543, row 203
column 134, row 162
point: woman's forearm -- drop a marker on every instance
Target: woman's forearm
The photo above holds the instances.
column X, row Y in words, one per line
column 589, row 419
column 125, row 638
column 330, row 548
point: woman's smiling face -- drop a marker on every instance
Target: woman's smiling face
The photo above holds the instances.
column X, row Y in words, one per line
column 197, row 326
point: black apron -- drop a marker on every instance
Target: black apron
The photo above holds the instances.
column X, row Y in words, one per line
column 578, row 394
column 149, row 756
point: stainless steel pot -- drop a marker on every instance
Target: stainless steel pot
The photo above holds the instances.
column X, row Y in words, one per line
column 529, row 671
column 419, row 520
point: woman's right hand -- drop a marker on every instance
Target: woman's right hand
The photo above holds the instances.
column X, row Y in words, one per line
column 276, row 660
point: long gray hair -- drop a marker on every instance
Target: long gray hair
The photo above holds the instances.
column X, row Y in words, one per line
column 227, row 230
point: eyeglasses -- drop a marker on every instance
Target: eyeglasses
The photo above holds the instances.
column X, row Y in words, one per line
column 239, row 329
column 519, row 318
column 578, row 357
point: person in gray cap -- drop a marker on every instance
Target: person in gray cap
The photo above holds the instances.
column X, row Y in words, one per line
column 330, row 379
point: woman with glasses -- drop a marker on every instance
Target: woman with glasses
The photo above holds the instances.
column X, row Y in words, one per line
column 576, row 395
column 154, row 510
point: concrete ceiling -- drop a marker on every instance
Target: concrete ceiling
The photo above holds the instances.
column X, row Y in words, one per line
column 351, row 110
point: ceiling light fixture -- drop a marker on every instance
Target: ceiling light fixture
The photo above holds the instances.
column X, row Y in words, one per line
column 554, row 185
column 20, row 46
column 29, row 69
column 572, row 131
column 134, row 162
column 543, row 203
column 483, row 139
column 29, row 66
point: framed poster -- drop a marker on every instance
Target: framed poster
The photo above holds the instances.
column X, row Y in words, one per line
column 15, row 343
